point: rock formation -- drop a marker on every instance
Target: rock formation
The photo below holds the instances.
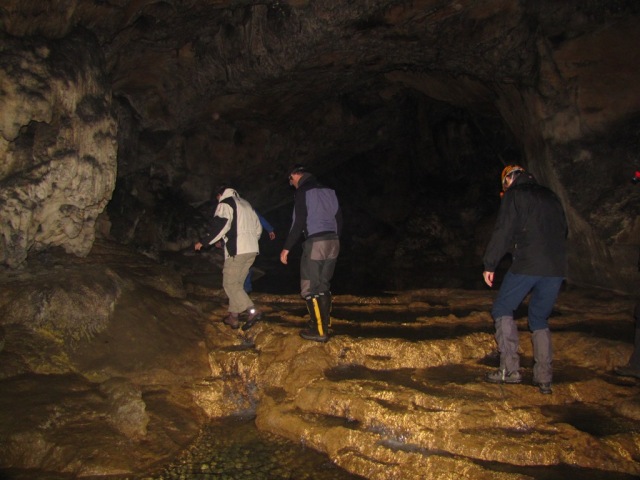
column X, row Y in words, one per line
column 58, row 145
column 401, row 105
column 120, row 118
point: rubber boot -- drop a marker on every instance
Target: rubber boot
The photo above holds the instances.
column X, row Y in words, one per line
column 542, row 356
column 316, row 331
column 508, row 342
column 325, row 301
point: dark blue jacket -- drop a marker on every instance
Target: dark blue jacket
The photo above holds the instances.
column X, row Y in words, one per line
column 316, row 211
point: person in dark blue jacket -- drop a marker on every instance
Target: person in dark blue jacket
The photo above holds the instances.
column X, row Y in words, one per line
column 532, row 226
column 316, row 216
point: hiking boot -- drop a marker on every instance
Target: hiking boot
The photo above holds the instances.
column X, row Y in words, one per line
column 627, row 371
column 254, row 316
column 501, row 376
column 312, row 334
column 544, row 388
column 232, row 321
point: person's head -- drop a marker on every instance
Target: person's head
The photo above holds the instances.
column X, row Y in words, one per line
column 295, row 174
column 509, row 174
column 220, row 190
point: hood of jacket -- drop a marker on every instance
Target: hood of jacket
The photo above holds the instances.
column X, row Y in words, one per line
column 229, row 192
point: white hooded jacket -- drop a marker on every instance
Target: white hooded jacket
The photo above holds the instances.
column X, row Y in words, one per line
column 236, row 222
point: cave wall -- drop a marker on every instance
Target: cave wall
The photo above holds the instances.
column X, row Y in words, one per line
column 410, row 110
column 581, row 139
column 58, row 145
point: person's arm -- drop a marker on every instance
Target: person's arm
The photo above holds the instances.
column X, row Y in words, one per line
column 266, row 225
column 299, row 221
column 488, row 277
column 501, row 237
column 219, row 226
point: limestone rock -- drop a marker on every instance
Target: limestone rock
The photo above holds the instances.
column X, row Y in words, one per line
column 127, row 410
column 58, row 142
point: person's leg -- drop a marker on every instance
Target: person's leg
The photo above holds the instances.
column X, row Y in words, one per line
column 309, row 271
column 513, row 290
column 326, row 252
column 316, row 328
column 325, row 299
column 330, row 250
column 543, row 297
column 316, row 270
column 317, row 265
column 234, row 274
column 542, row 357
column 247, row 282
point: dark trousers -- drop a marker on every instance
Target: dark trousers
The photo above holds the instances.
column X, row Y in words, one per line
column 318, row 262
column 515, row 287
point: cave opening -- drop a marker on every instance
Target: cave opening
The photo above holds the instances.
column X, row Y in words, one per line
column 418, row 185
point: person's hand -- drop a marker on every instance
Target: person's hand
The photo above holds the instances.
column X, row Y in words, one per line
column 272, row 235
column 218, row 244
column 488, row 277
column 197, row 246
column 283, row 256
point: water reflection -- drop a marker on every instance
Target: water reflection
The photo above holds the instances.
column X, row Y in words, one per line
column 592, row 419
column 234, row 449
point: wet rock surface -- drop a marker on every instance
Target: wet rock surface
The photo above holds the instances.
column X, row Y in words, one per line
column 397, row 392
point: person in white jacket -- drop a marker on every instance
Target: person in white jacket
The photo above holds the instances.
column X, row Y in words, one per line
column 236, row 224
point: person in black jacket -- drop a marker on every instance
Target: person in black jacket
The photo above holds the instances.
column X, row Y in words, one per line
column 316, row 216
column 532, row 226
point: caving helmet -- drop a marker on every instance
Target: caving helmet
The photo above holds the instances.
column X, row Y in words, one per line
column 509, row 171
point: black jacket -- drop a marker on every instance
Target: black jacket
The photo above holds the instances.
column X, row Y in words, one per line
column 316, row 211
column 532, row 226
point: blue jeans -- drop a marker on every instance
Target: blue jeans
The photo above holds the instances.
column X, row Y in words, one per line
column 516, row 286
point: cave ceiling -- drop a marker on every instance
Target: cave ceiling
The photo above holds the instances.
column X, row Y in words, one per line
column 222, row 69
column 181, row 65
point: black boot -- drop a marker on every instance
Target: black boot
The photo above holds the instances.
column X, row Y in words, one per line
column 253, row 316
column 316, row 330
column 325, row 301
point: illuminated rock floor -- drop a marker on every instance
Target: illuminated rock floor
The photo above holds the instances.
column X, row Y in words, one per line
column 398, row 392
column 157, row 387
